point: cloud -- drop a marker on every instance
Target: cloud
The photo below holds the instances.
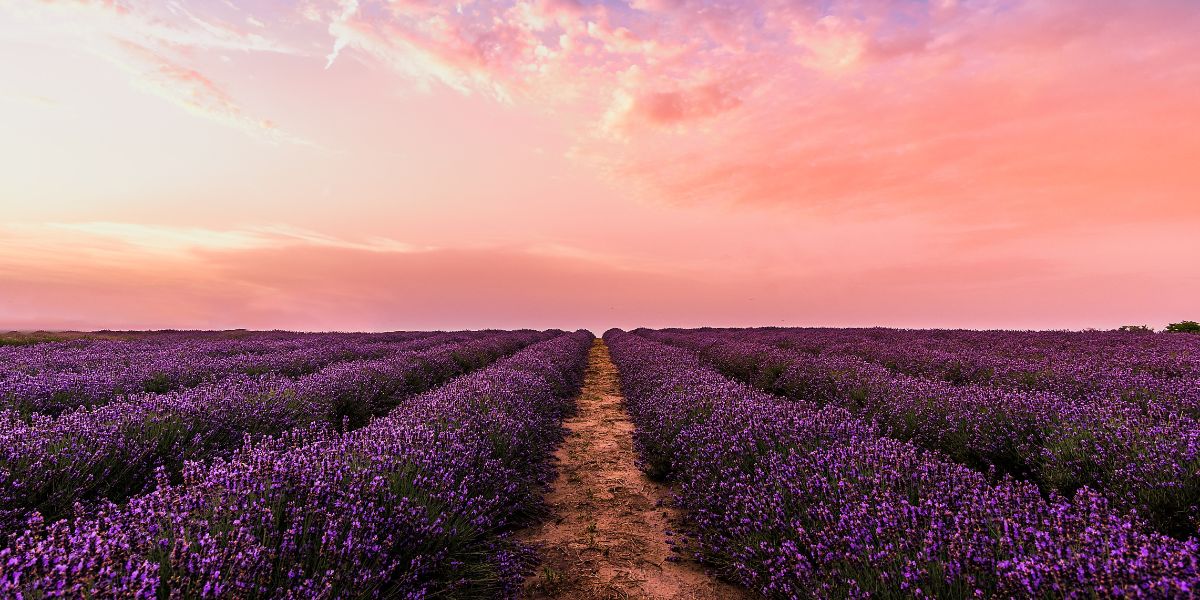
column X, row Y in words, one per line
column 848, row 103
column 832, row 45
column 339, row 29
column 153, row 42
column 34, row 100
column 84, row 274
column 901, row 160
column 680, row 105
column 163, row 24
column 195, row 92
column 973, row 109
column 432, row 43
column 173, row 240
column 631, row 111
column 1025, row 115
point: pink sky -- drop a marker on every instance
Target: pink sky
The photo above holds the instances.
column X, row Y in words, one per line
column 342, row 164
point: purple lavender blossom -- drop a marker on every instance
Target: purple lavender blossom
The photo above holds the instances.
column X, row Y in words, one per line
column 796, row 500
column 417, row 502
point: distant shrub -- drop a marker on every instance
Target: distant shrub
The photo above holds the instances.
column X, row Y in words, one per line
column 24, row 339
column 1135, row 328
column 1184, row 327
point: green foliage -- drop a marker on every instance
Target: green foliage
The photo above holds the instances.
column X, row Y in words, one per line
column 1184, row 327
column 16, row 338
column 158, row 383
column 1135, row 329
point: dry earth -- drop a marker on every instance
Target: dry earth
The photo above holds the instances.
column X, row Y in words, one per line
column 605, row 537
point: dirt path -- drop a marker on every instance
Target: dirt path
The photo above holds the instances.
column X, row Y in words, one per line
column 605, row 537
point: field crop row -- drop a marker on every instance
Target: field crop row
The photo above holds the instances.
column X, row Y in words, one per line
column 56, row 377
column 1161, row 370
column 416, row 503
column 114, row 451
column 1144, row 458
column 795, row 499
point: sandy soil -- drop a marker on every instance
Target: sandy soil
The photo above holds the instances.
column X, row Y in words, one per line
column 605, row 537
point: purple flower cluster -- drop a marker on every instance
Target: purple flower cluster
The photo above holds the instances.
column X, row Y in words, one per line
column 415, row 503
column 1143, row 457
column 797, row 500
column 54, row 377
column 1162, row 370
column 111, row 451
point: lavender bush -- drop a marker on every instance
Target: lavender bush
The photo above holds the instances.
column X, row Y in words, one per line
column 112, row 451
column 797, row 500
column 416, row 503
column 1162, row 371
column 1143, row 457
column 55, row 377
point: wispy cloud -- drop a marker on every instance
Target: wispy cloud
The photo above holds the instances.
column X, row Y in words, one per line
column 856, row 105
column 182, row 240
column 85, row 274
column 152, row 43
column 28, row 99
column 891, row 160
column 194, row 92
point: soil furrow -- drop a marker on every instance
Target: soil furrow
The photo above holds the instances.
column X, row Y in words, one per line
column 606, row 535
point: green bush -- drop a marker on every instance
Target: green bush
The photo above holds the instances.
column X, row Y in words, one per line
column 1135, row 328
column 1184, row 327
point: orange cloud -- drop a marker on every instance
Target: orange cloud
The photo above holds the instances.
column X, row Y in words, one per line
column 676, row 106
column 846, row 162
column 267, row 277
column 1024, row 115
column 844, row 106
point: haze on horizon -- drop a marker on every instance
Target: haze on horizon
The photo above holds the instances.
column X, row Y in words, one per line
column 371, row 165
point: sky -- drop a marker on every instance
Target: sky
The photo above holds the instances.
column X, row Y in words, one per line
column 409, row 164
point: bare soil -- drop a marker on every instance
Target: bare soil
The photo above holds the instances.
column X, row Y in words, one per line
column 606, row 535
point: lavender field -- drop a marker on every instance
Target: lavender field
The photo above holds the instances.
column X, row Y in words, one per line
column 786, row 463
column 265, row 268
column 884, row 463
column 277, row 465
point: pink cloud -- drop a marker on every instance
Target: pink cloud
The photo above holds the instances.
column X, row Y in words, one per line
column 847, row 162
column 770, row 102
column 671, row 107
column 230, row 280
column 154, row 44
column 561, row 8
column 852, row 105
column 195, row 92
column 1020, row 116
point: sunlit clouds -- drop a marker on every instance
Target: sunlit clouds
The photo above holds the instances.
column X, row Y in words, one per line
column 150, row 45
column 988, row 163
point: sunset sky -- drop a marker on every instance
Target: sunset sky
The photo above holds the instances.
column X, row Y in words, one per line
column 412, row 164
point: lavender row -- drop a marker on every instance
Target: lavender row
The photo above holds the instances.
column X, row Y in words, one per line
column 799, row 501
column 1156, row 371
column 48, row 464
column 96, row 372
column 83, row 354
column 1164, row 355
column 1158, row 376
column 1145, row 462
column 415, row 504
